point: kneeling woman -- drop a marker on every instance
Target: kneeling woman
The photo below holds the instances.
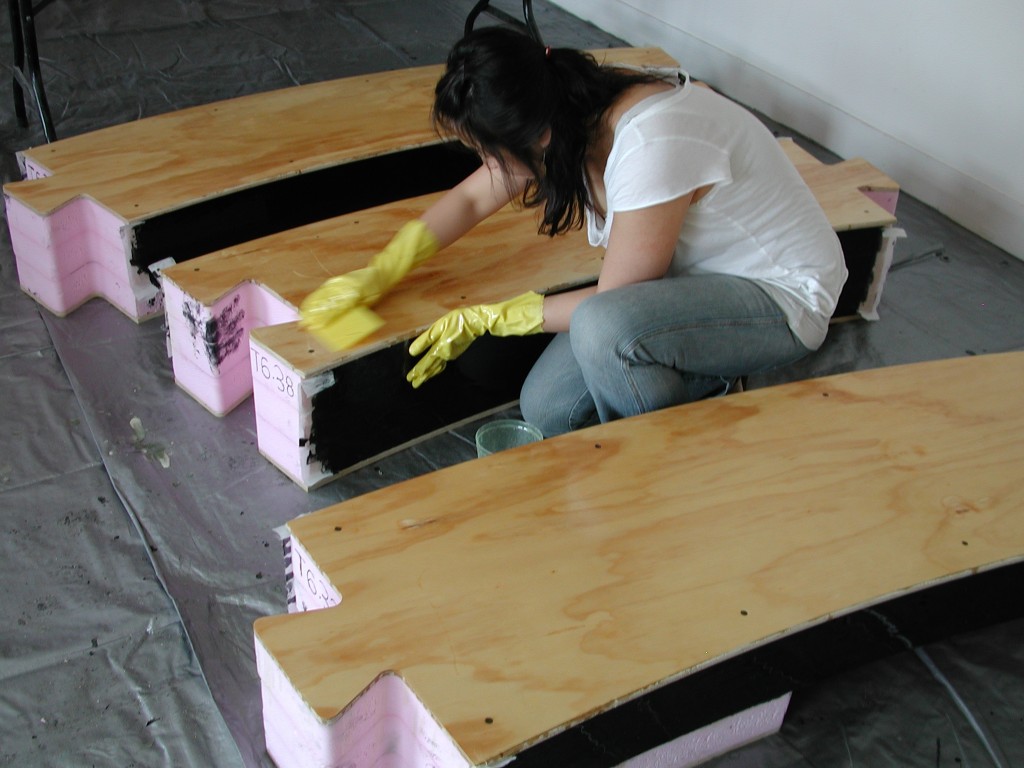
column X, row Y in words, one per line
column 718, row 260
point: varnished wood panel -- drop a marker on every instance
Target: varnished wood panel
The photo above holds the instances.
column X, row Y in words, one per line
column 529, row 590
column 838, row 189
column 169, row 161
column 502, row 258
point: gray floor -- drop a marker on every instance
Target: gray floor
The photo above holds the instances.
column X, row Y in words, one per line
column 130, row 587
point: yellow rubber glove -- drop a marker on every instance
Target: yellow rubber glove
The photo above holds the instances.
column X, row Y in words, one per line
column 326, row 311
column 452, row 334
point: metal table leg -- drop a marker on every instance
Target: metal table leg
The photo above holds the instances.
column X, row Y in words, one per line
column 483, row 6
column 26, row 73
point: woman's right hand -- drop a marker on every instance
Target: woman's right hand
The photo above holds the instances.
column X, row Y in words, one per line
column 412, row 245
column 339, row 295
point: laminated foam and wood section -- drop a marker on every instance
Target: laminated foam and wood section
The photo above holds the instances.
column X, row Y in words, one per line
column 95, row 212
column 231, row 319
column 214, row 303
column 478, row 612
column 319, row 411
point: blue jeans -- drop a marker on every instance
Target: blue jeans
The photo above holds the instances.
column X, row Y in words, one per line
column 652, row 345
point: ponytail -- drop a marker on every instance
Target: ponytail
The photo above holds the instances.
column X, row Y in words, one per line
column 502, row 91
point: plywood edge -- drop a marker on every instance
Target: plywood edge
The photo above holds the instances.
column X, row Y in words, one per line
column 23, row 192
column 47, row 194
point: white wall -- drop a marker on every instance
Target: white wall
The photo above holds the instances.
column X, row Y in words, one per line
column 929, row 91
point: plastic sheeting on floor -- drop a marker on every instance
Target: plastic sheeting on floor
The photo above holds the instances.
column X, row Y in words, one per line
column 138, row 539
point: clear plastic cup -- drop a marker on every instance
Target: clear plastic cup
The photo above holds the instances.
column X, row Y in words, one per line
column 498, row 435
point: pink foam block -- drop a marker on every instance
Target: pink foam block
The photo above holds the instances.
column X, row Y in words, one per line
column 308, row 587
column 868, row 308
column 283, row 401
column 886, row 199
column 386, row 726
column 75, row 253
column 716, row 739
column 30, row 169
column 284, row 415
column 209, row 344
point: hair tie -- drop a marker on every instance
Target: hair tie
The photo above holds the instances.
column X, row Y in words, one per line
column 547, row 52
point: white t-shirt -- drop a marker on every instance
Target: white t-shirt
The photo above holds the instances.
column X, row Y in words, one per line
column 759, row 221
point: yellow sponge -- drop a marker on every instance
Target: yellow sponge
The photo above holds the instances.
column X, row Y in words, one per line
column 349, row 329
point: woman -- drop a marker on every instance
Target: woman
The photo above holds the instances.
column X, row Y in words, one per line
column 718, row 260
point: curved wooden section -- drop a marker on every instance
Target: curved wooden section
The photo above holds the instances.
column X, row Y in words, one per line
column 231, row 314
column 140, row 169
column 288, row 265
column 213, row 303
column 292, row 375
column 518, row 594
column 81, row 219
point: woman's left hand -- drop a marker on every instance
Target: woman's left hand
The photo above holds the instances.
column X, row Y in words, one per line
column 452, row 334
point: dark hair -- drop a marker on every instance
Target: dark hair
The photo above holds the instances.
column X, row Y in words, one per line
column 502, row 90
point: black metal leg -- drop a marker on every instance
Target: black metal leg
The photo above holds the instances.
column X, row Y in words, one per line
column 28, row 32
column 471, row 18
column 14, row 7
column 531, row 23
column 27, row 74
column 483, row 6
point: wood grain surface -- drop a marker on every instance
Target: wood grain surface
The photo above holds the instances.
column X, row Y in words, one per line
column 524, row 592
column 166, row 162
column 501, row 258
column 837, row 187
